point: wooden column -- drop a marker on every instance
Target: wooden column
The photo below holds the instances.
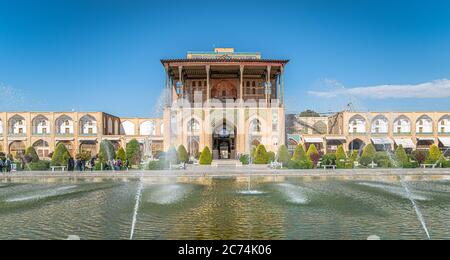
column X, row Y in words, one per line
column 282, row 85
column 241, row 84
column 268, row 88
column 167, row 85
column 180, row 75
column 208, row 84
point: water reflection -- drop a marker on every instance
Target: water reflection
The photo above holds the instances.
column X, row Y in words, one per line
column 217, row 208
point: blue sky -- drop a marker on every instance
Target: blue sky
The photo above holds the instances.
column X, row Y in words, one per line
column 104, row 55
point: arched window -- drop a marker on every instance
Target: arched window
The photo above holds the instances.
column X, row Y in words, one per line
column 444, row 124
column 41, row 125
column 193, row 125
column 357, row 125
column 88, row 125
column 380, row 125
column 147, row 128
column 17, row 149
column 128, row 128
column 42, row 148
column 64, row 125
column 424, row 125
column 17, row 125
column 320, row 128
column 255, row 126
column 402, row 125
column 1, row 127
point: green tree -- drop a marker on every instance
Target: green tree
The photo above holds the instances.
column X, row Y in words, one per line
column 299, row 154
column 121, row 154
column 84, row 156
column 369, row 151
column 107, row 152
column 182, row 154
column 309, row 113
column 261, row 155
column 134, row 154
column 368, row 155
column 341, row 157
column 270, row 157
column 283, row 155
column 60, row 156
column 313, row 154
column 401, row 157
column 435, row 154
column 354, row 156
column 31, row 155
column 205, row 157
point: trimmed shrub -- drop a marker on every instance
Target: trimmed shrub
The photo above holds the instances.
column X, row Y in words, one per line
column 245, row 159
column 341, row 157
column 205, row 157
column 383, row 160
column 420, row 156
column 283, row 155
column 354, row 156
column 307, row 164
column 60, row 156
column 435, row 154
column 31, row 155
column 121, row 154
column 261, row 155
column 329, row 159
column 401, row 157
column 446, row 164
column 182, row 154
column 313, row 154
column 299, row 154
column 155, row 165
column 84, row 156
column 39, row 166
column 270, row 157
column 133, row 151
column 368, row 155
column 411, row 165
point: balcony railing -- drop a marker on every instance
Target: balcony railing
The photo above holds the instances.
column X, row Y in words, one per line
column 424, row 133
column 64, row 135
column 402, row 133
column 87, row 134
column 41, row 134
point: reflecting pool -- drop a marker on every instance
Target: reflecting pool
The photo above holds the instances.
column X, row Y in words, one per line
column 225, row 208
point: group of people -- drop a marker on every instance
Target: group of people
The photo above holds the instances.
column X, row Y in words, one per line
column 117, row 165
column 89, row 165
column 5, row 165
column 81, row 165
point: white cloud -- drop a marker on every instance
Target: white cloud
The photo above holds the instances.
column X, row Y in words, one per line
column 429, row 90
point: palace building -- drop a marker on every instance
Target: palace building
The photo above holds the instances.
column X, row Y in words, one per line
column 230, row 102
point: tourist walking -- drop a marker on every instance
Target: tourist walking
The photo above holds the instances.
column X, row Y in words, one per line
column 92, row 164
column 1, row 165
column 127, row 164
column 8, row 165
column 119, row 164
column 70, row 165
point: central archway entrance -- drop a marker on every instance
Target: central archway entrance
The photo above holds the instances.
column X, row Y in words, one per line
column 224, row 141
